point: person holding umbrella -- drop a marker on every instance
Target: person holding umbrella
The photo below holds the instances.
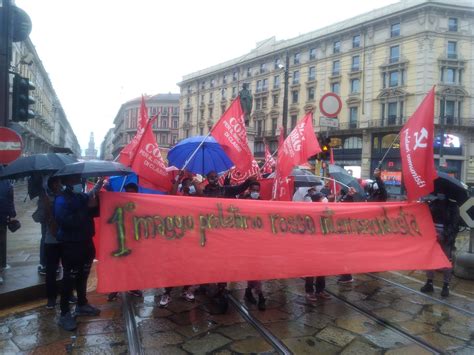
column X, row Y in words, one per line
column 74, row 212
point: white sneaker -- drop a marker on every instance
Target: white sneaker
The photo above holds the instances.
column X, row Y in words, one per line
column 188, row 295
column 165, row 300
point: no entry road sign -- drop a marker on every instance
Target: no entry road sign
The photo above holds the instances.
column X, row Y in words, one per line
column 10, row 145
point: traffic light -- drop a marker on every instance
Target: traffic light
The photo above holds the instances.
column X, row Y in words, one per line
column 325, row 148
column 21, row 99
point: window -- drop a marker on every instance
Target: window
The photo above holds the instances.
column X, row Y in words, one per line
column 234, row 76
column 448, row 111
column 336, row 47
column 264, row 103
column 276, row 63
column 296, row 77
column 175, row 124
column 312, row 73
column 296, row 58
column 223, row 93
column 163, row 139
column 263, row 68
column 189, row 89
column 203, row 85
column 311, row 94
column 353, row 117
column 312, row 54
column 276, row 81
column 188, row 102
column 453, row 24
column 392, row 113
column 259, row 86
column 394, row 54
column 356, row 41
column 355, row 63
column 187, row 133
column 451, row 75
column 336, row 88
column 211, row 97
column 224, row 79
column 212, row 83
column 452, row 50
column 275, row 100
column 201, row 131
column 294, row 96
column 211, row 111
column 249, row 72
column 395, row 30
column 353, row 143
column 393, row 79
column 355, row 84
column 188, row 116
column 260, row 127
column 202, row 99
column 202, row 114
column 265, row 85
column 336, row 67
column 174, row 139
column 274, row 126
column 164, row 123
column 294, row 119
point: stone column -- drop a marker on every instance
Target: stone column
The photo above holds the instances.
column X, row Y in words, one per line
column 366, row 154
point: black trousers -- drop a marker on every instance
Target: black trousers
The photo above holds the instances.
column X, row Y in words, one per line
column 42, row 245
column 52, row 253
column 77, row 260
column 318, row 286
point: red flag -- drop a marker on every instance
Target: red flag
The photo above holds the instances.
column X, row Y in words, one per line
column 128, row 152
column 231, row 134
column 416, row 148
column 270, row 162
column 298, row 146
column 148, row 163
column 238, row 177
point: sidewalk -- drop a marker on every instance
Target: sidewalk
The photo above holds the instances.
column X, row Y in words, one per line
column 22, row 282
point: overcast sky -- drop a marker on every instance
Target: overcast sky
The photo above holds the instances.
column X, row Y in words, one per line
column 101, row 53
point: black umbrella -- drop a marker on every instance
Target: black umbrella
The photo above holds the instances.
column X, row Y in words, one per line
column 451, row 187
column 92, row 168
column 42, row 164
column 303, row 178
column 341, row 175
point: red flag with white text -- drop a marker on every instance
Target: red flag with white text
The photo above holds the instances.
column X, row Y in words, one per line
column 148, row 163
column 238, row 177
column 128, row 152
column 416, row 148
column 231, row 134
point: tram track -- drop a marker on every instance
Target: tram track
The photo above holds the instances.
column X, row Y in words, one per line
column 419, row 293
column 134, row 341
column 424, row 344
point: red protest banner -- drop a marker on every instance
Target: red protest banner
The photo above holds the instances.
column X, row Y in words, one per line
column 146, row 240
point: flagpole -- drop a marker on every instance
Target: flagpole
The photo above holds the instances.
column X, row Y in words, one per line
column 388, row 150
column 186, row 163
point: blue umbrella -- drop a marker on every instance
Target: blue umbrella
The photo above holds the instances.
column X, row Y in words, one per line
column 209, row 157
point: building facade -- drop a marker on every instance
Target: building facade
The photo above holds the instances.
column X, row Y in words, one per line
column 107, row 146
column 165, row 127
column 50, row 130
column 381, row 64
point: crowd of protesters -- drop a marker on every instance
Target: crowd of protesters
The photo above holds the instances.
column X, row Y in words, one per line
column 66, row 214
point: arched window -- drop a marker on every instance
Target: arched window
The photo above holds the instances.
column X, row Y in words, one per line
column 353, row 143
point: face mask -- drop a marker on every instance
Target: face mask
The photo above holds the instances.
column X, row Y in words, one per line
column 192, row 190
column 255, row 195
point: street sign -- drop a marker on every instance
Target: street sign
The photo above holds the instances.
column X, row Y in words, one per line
column 328, row 122
column 10, row 145
column 330, row 105
column 466, row 212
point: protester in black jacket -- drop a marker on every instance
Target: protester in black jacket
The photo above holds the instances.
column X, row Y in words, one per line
column 377, row 190
column 7, row 211
column 74, row 212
